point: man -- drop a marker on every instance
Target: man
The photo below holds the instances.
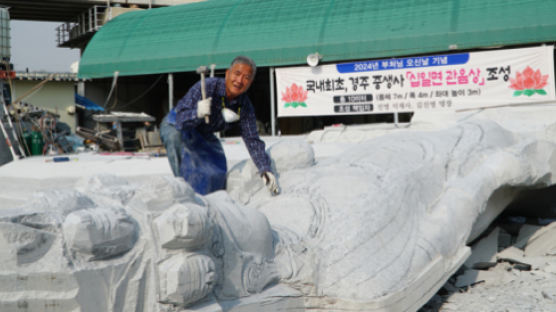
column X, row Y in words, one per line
column 194, row 152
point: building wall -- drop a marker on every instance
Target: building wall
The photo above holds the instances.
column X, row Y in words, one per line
column 54, row 96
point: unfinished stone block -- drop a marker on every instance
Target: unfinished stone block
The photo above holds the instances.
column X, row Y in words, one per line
column 525, row 233
column 542, row 242
column 485, row 249
column 244, row 183
column 111, row 187
column 292, row 154
column 161, row 192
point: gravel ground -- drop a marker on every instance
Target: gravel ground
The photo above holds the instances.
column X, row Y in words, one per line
column 519, row 275
column 516, row 291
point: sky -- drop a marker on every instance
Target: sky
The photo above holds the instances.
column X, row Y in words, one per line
column 34, row 47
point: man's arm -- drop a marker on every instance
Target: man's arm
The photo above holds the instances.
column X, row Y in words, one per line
column 250, row 135
column 186, row 109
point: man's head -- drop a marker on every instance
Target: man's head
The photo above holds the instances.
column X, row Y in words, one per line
column 239, row 76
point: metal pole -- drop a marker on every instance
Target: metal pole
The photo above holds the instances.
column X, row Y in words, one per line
column 91, row 19
column 272, row 102
column 114, row 81
column 4, row 132
column 8, row 141
column 119, row 134
column 108, row 10
column 170, row 91
column 80, row 91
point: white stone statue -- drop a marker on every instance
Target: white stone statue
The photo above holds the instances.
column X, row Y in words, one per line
column 378, row 227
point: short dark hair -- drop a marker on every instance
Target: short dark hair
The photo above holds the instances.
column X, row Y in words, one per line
column 242, row 59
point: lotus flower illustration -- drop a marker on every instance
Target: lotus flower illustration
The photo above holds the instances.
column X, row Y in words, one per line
column 529, row 82
column 294, row 96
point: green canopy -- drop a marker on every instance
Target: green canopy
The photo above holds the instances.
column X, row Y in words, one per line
column 283, row 32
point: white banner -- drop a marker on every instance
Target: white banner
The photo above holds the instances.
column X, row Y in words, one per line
column 451, row 81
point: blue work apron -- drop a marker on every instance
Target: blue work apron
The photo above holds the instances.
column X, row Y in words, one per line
column 203, row 163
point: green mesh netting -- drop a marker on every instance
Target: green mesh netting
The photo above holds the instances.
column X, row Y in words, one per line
column 283, row 32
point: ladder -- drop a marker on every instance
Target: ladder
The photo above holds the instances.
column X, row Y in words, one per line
column 6, row 125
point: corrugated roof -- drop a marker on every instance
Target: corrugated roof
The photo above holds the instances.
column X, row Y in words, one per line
column 284, row 32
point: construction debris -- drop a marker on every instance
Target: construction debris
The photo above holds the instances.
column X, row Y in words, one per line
column 498, row 277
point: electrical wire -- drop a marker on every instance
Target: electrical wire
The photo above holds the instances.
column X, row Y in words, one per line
column 139, row 96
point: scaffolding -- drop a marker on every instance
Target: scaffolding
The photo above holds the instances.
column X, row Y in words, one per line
column 84, row 26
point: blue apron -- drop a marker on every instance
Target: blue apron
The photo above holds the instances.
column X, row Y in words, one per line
column 203, row 163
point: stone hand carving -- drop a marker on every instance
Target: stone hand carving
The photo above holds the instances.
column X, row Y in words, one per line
column 99, row 233
column 186, row 278
column 221, row 246
column 246, row 265
column 184, row 226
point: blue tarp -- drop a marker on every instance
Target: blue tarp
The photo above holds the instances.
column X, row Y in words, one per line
column 85, row 103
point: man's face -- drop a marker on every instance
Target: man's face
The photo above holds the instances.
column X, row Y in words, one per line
column 238, row 79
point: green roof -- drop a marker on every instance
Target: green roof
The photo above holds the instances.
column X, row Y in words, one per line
column 283, row 32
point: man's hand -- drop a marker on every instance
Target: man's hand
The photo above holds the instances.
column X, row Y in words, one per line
column 270, row 181
column 203, row 108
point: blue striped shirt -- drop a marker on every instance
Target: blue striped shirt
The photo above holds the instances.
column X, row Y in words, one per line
column 186, row 117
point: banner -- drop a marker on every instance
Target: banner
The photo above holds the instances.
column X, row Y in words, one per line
column 451, row 81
